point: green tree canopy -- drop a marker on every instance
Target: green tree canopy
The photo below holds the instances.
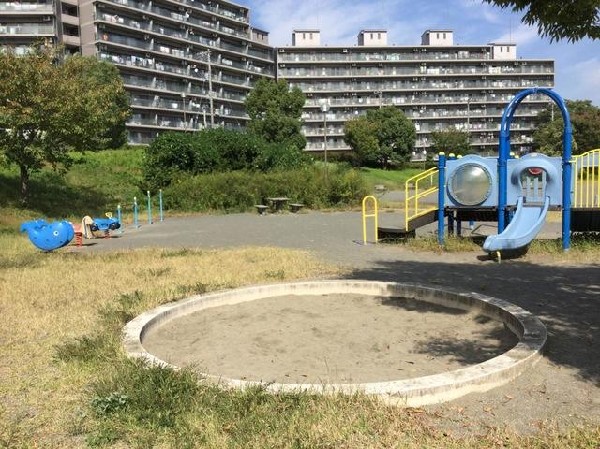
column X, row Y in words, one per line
column 558, row 19
column 381, row 136
column 450, row 140
column 585, row 122
column 49, row 108
column 275, row 112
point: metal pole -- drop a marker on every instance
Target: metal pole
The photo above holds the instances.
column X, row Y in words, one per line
column 119, row 219
column 324, row 109
column 135, row 213
column 184, row 116
column 325, row 137
column 160, row 205
column 149, row 207
column 441, row 190
column 210, row 90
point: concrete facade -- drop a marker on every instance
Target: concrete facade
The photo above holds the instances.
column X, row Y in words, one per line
column 189, row 64
column 437, row 84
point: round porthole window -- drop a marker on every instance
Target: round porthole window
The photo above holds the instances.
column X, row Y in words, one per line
column 470, row 184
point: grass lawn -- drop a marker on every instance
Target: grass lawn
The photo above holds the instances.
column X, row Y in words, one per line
column 392, row 179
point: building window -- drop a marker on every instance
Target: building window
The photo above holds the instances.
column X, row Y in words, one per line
column 437, row 35
column 303, row 35
column 310, row 36
column 444, row 35
column 379, row 36
column 371, row 35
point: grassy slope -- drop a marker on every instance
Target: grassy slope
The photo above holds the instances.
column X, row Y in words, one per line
column 392, row 179
column 95, row 184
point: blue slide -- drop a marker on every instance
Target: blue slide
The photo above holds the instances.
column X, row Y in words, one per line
column 525, row 225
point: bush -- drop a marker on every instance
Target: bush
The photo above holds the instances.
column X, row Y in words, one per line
column 280, row 156
column 169, row 154
column 239, row 191
column 175, row 155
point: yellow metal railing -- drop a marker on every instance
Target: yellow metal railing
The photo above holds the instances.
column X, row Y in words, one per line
column 416, row 189
column 374, row 214
column 586, row 186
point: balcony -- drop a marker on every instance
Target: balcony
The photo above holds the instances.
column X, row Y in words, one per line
column 24, row 29
column 24, row 8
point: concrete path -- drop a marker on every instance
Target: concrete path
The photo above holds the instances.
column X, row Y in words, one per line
column 335, row 236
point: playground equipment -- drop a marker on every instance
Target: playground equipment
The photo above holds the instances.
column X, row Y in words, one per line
column 370, row 210
column 517, row 193
column 48, row 236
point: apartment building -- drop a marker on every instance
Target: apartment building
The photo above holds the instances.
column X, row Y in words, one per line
column 437, row 84
column 189, row 64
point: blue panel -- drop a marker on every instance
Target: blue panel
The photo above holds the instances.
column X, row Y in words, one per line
column 553, row 178
column 489, row 164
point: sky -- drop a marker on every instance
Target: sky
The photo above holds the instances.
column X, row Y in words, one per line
column 577, row 65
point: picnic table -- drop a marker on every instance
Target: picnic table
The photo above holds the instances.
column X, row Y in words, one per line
column 277, row 203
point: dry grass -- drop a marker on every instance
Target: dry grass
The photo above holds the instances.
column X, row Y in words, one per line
column 46, row 400
column 47, row 298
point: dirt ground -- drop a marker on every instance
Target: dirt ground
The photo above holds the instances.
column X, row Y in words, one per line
column 329, row 339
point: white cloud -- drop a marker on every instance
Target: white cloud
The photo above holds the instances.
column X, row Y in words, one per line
column 521, row 35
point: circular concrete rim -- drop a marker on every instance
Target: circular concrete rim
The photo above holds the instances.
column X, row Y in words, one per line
column 408, row 392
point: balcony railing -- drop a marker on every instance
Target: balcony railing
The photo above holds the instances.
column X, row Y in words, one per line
column 19, row 29
column 330, row 72
column 419, row 85
column 27, row 7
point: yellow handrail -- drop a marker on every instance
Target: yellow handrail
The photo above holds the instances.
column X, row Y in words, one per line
column 586, row 186
column 412, row 208
column 372, row 215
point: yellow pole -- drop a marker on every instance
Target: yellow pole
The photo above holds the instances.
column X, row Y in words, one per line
column 374, row 214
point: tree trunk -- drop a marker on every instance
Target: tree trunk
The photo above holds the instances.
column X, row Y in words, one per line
column 24, row 185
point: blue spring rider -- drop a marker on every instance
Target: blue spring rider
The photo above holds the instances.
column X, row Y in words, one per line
column 49, row 236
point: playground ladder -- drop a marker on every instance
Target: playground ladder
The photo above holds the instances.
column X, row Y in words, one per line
column 416, row 189
column 586, row 186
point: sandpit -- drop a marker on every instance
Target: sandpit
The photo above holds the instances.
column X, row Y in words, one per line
column 407, row 344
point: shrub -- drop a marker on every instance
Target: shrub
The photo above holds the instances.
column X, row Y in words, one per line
column 239, row 191
column 175, row 155
column 169, row 154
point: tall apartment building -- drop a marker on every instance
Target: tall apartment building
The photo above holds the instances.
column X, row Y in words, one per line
column 22, row 22
column 189, row 64
column 437, row 84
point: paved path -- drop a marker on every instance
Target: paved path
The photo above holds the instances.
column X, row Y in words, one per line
column 335, row 236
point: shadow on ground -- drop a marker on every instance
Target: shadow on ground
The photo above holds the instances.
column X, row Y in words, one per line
column 566, row 299
column 51, row 196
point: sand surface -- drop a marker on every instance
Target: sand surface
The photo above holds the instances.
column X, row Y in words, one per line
column 329, row 339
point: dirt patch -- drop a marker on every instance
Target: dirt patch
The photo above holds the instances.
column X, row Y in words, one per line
column 329, row 339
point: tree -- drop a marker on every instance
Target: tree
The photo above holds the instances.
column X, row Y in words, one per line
column 49, row 108
column 558, row 19
column 585, row 123
column 275, row 112
column 450, row 140
column 381, row 136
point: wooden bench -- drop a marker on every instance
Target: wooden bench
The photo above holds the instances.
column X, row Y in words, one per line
column 295, row 207
column 261, row 208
